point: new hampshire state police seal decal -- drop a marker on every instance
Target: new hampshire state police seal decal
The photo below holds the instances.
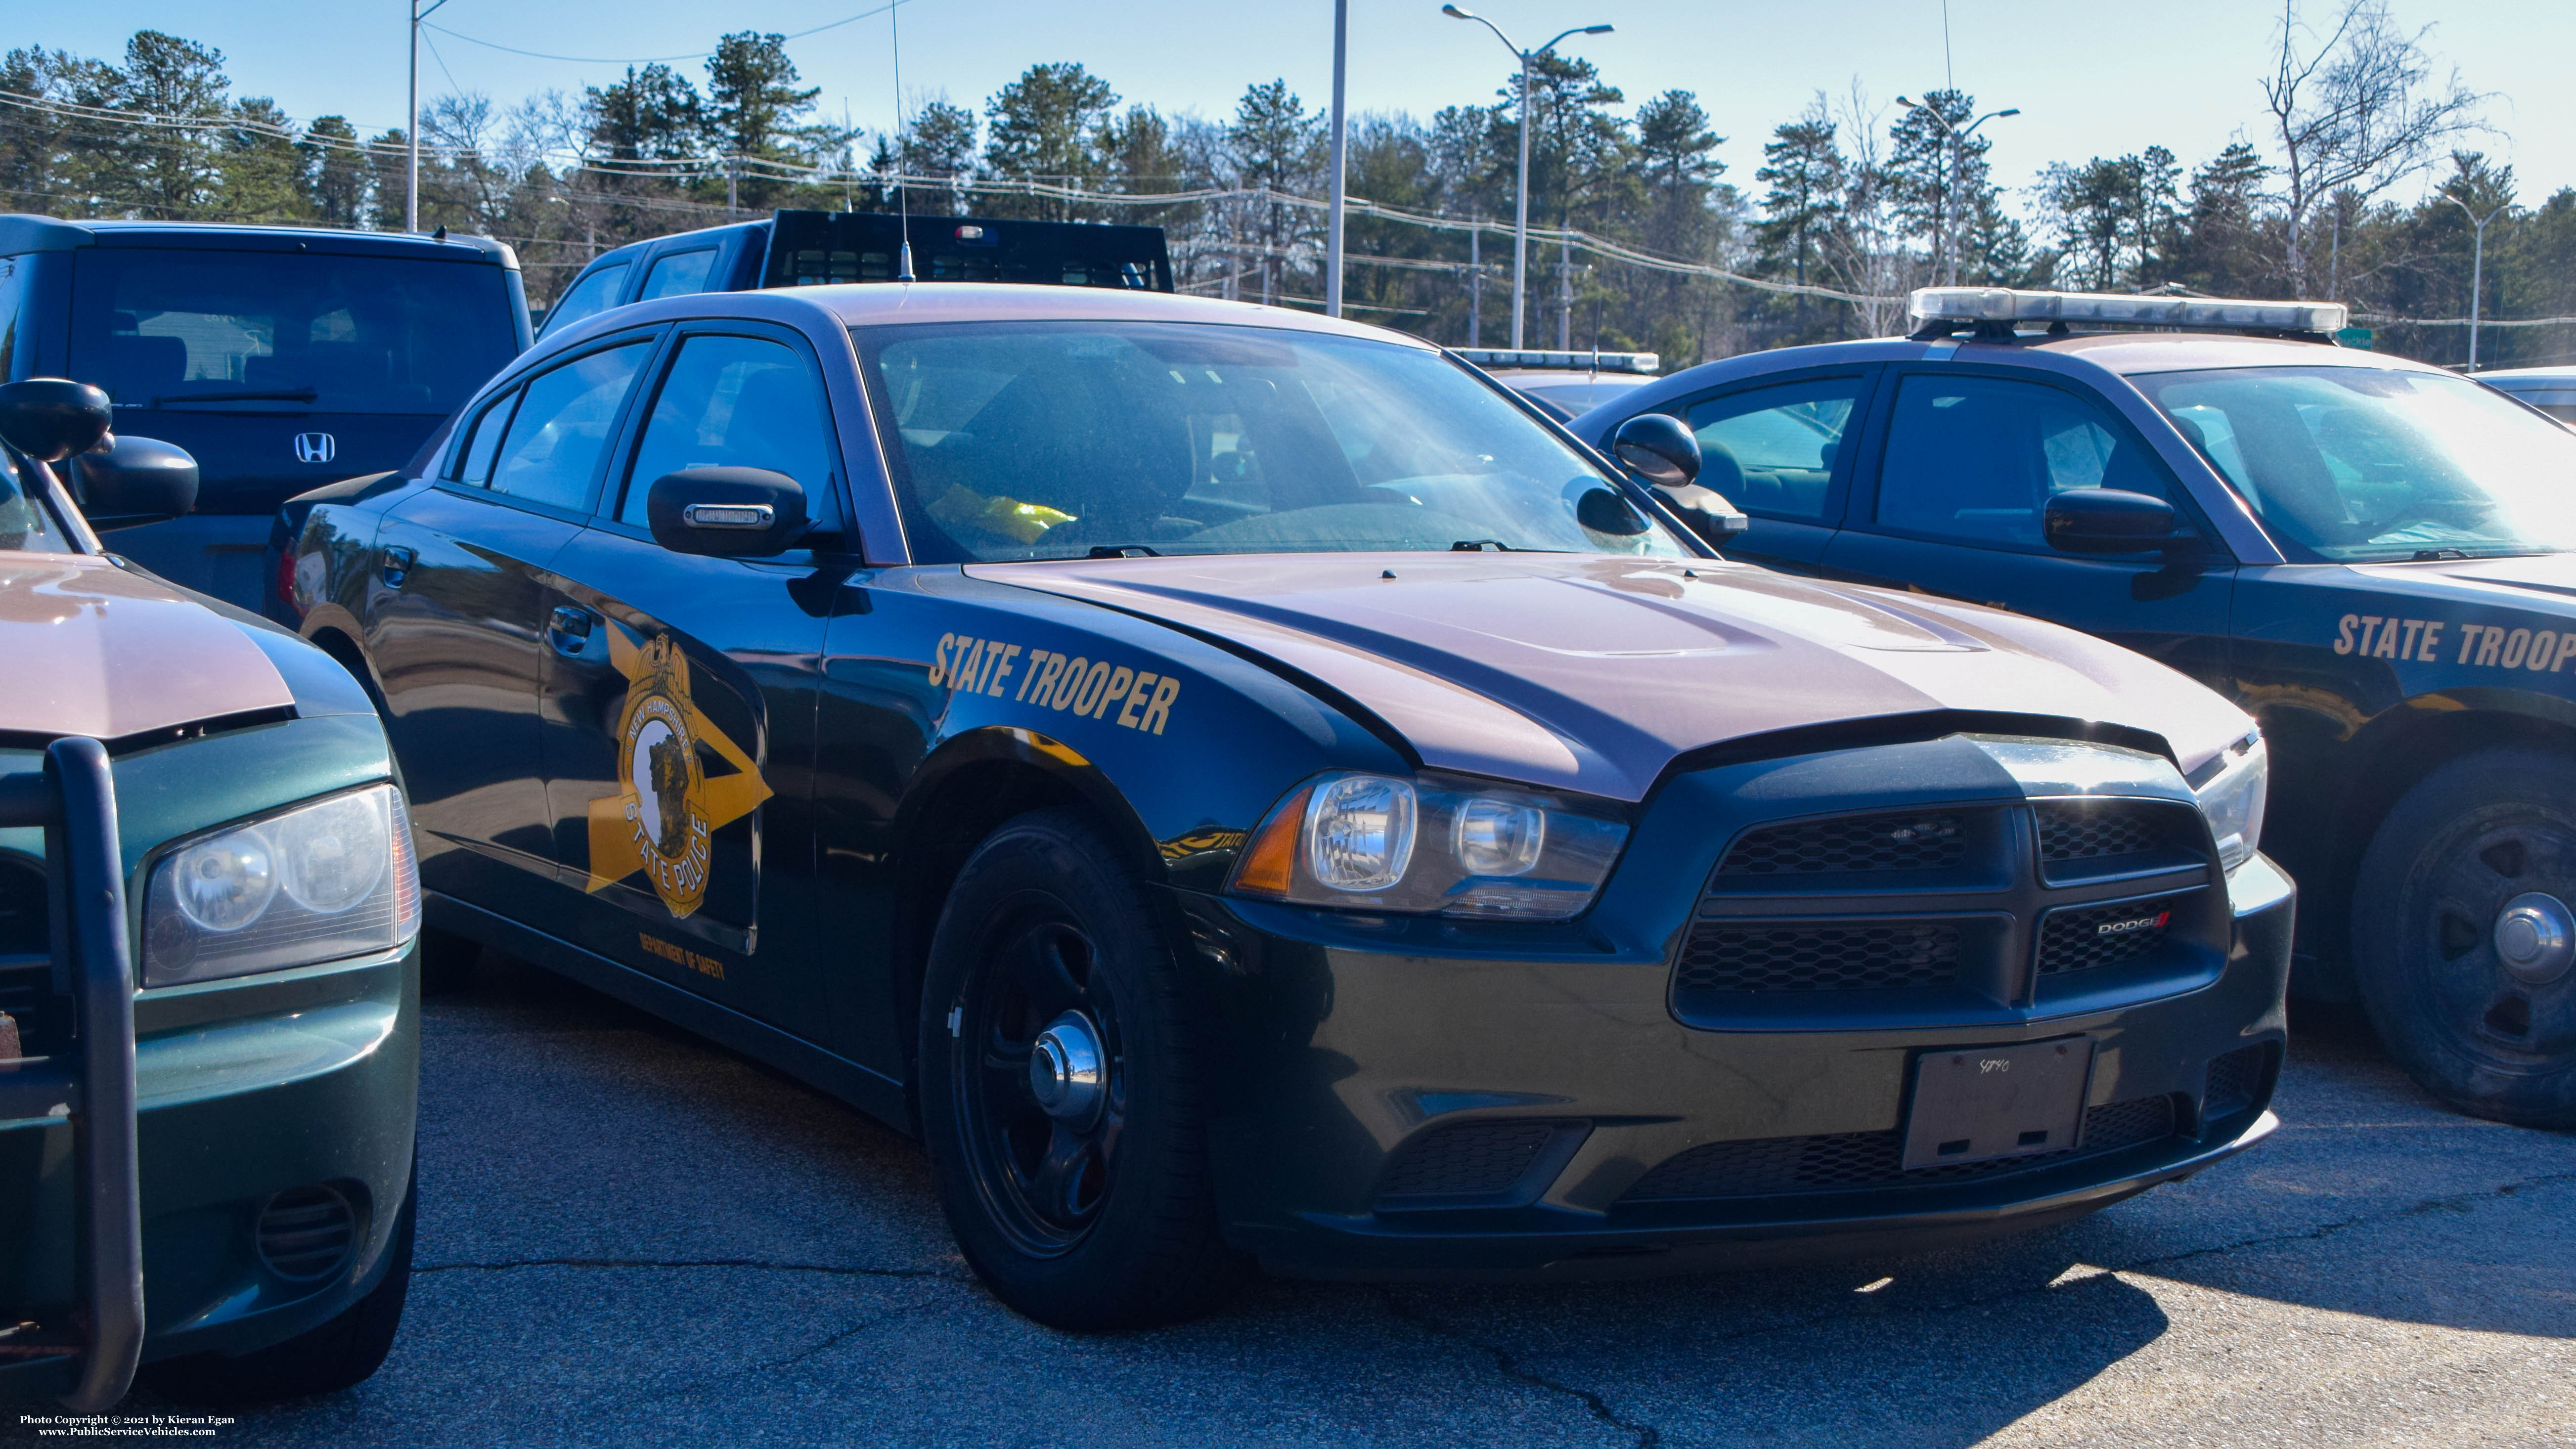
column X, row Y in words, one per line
column 665, row 814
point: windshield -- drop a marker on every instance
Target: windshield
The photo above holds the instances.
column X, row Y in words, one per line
column 26, row 524
column 287, row 332
column 2354, row 464
column 1020, row 441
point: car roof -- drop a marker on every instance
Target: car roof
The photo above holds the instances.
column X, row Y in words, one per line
column 23, row 232
column 879, row 304
column 2130, row 353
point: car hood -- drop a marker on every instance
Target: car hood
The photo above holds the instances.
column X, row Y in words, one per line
column 1592, row 673
column 102, row 651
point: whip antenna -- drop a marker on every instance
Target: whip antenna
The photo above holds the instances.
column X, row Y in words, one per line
column 902, row 207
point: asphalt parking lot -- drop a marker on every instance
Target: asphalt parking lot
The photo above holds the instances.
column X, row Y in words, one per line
column 630, row 1238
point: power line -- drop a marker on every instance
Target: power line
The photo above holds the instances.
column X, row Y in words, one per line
column 647, row 59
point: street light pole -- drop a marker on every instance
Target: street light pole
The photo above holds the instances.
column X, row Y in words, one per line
column 2477, row 267
column 1341, row 133
column 1958, row 171
column 1520, row 202
column 411, row 125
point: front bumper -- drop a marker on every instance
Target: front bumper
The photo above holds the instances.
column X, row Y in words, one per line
column 1340, row 1055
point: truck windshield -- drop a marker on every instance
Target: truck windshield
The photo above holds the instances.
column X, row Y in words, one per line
column 2355, row 465
column 287, row 332
column 1016, row 441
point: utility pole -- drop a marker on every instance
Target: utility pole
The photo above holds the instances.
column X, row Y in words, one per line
column 1520, row 201
column 1475, row 286
column 1341, row 132
column 411, row 126
column 1957, row 168
column 2477, row 267
column 1565, row 294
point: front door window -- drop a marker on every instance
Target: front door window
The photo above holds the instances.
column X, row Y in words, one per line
column 735, row 402
column 1976, row 459
column 1772, row 450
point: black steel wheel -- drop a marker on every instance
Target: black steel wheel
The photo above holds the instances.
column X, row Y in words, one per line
column 2464, row 935
column 1058, row 1098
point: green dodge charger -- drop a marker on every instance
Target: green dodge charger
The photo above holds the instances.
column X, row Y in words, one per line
column 209, row 1003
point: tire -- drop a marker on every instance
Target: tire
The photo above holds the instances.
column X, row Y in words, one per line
column 2473, row 835
column 340, row 1353
column 1098, row 1221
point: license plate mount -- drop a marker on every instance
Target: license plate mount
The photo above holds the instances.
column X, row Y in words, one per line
column 1977, row 1104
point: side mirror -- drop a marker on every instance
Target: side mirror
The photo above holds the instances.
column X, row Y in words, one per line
column 1706, row 511
column 2107, row 520
column 1659, row 448
column 52, row 418
column 726, row 512
column 136, row 480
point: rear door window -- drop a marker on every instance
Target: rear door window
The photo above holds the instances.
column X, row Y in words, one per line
column 1975, row 459
column 1771, row 450
column 678, row 274
column 552, row 450
column 590, row 296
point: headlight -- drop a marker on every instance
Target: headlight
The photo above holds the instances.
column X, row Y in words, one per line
column 320, row 882
column 2232, row 800
column 1378, row 843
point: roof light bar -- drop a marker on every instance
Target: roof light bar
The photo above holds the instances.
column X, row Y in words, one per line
column 2002, row 304
column 1490, row 357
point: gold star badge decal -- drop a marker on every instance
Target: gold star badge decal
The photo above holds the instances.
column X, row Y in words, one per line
column 666, row 809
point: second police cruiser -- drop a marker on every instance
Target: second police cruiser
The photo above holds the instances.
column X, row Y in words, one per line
column 1240, row 785
column 2371, row 555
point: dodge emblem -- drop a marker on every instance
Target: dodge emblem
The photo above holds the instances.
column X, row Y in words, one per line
column 315, row 447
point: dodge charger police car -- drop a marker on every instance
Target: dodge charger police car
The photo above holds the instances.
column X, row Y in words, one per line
column 209, row 1030
column 1243, row 784
column 2370, row 554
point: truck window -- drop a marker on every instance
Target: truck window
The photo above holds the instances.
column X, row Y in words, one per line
column 589, row 296
column 680, row 274
column 287, row 331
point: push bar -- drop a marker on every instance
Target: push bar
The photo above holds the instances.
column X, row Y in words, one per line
column 74, row 801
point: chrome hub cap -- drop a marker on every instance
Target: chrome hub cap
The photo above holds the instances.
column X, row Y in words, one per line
column 1065, row 1071
column 2535, row 938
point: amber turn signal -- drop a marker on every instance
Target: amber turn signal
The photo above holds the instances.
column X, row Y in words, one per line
column 1269, row 863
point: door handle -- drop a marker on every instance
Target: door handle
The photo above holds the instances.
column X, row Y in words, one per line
column 396, row 566
column 569, row 629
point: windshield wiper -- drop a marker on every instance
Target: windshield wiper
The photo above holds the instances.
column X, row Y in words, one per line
column 1479, row 545
column 282, row 394
column 2427, row 555
column 1122, row 550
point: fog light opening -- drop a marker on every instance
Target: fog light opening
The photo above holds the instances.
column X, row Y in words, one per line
column 308, row 1233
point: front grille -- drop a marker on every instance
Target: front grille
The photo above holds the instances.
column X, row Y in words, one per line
column 1914, row 840
column 1473, row 1159
column 307, row 1232
column 2234, row 1081
column 2093, row 830
column 1857, row 1161
column 2095, row 936
column 1818, row 957
column 40, row 1017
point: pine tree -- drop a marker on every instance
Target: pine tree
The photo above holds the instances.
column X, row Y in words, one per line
column 1046, row 126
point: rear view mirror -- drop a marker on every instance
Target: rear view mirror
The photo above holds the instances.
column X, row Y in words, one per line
column 52, row 418
column 726, row 512
column 1659, row 449
column 136, row 480
column 2107, row 520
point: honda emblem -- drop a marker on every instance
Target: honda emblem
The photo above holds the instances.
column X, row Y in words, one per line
column 315, row 447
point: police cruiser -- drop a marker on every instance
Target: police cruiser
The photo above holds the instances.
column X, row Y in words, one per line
column 2369, row 554
column 1241, row 786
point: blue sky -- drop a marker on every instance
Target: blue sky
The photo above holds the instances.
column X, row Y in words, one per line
column 2091, row 78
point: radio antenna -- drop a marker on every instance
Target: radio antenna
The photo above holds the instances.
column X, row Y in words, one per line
column 902, row 206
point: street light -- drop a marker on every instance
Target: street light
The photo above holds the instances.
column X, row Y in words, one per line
column 411, row 128
column 2477, row 266
column 1520, row 203
column 1958, row 168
